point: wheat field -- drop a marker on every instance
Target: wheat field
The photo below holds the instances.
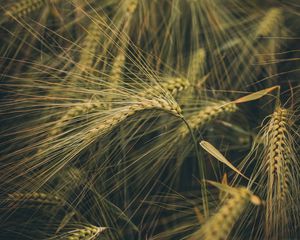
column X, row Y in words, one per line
column 150, row 119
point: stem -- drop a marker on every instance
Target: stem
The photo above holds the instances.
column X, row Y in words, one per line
column 202, row 171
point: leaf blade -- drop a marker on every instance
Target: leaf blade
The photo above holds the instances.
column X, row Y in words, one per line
column 255, row 95
column 219, row 156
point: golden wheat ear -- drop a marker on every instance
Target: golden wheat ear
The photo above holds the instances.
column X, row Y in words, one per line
column 206, row 116
column 171, row 84
column 161, row 105
column 195, row 69
column 270, row 35
column 282, row 169
column 220, row 224
column 75, row 112
column 34, row 199
column 275, row 175
column 23, row 8
column 90, row 44
column 271, row 21
column 89, row 232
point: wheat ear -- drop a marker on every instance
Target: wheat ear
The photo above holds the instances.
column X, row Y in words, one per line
column 119, row 61
column 173, row 85
column 269, row 23
column 90, row 43
column 279, row 159
column 23, row 8
column 116, row 72
column 130, row 8
column 196, row 63
column 207, row 115
column 31, row 199
column 117, row 69
column 276, row 157
column 275, row 175
column 219, row 226
column 86, row 233
column 128, row 111
column 74, row 112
